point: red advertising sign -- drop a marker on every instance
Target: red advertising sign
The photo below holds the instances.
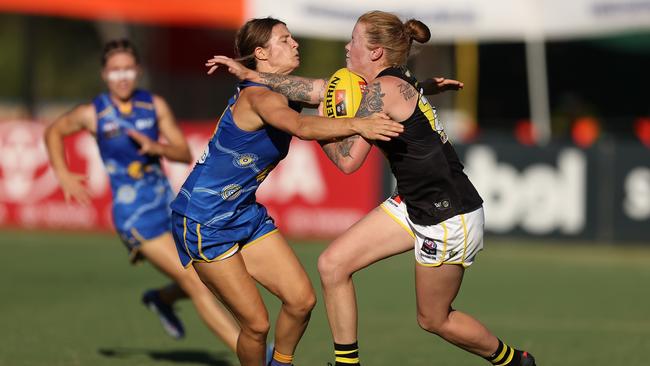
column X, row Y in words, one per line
column 306, row 193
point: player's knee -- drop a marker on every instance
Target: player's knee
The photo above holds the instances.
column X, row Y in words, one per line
column 301, row 305
column 308, row 303
column 432, row 324
column 330, row 268
column 257, row 328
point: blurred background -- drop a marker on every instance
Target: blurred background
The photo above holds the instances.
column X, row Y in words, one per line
column 553, row 126
column 555, row 105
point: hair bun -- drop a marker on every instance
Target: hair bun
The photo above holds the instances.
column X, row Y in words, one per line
column 417, row 30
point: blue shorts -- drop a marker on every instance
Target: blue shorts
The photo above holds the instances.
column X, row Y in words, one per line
column 140, row 221
column 199, row 243
column 141, row 231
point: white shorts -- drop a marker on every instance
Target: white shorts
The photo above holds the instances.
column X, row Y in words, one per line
column 456, row 240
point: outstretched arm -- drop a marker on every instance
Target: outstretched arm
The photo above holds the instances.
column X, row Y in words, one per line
column 307, row 90
column 296, row 88
column 80, row 118
column 272, row 108
column 439, row 85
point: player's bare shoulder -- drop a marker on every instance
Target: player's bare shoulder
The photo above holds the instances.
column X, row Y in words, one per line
column 253, row 104
column 159, row 102
column 397, row 88
column 382, row 95
column 83, row 116
column 260, row 94
column 398, row 95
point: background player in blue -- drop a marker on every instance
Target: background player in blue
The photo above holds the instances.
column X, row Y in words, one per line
column 216, row 213
column 126, row 123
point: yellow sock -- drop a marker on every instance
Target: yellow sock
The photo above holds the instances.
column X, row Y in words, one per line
column 282, row 358
column 346, row 354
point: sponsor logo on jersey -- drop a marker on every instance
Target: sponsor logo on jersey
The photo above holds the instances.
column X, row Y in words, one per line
column 111, row 129
column 144, row 123
column 442, row 205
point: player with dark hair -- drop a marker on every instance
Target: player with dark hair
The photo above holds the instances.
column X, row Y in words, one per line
column 437, row 210
column 222, row 231
column 127, row 123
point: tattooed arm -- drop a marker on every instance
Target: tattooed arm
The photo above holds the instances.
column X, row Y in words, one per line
column 312, row 91
column 386, row 94
column 295, row 88
column 350, row 153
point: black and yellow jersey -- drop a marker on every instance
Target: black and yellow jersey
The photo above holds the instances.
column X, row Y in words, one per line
column 430, row 177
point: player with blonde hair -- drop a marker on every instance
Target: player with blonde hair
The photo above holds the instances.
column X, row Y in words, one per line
column 437, row 211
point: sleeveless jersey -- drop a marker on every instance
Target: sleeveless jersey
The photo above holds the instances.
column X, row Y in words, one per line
column 222, row 185
column 139, row 187
column 430, row 177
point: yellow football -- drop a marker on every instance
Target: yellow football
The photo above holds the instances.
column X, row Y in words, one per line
column 343, row 94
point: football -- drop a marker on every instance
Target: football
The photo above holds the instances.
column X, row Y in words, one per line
column 343, row 94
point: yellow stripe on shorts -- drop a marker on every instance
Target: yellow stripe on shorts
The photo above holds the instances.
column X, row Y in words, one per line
column 187, row 250
column 397, row 220
column 198, row 235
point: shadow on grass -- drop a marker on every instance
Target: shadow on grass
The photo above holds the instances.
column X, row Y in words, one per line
column 185, row 356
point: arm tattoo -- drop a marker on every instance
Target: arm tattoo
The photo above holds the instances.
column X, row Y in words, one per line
column 407, row 91
column 330, row 151
column 372, row 101
column 340, row 150
column 293, row 87
column 343, row 147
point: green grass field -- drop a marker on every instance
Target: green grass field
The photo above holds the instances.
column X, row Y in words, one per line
column 72, row 299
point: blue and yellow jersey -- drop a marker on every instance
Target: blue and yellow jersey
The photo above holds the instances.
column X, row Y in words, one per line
column 224, row 180
column 119, row 152
column 141, row 192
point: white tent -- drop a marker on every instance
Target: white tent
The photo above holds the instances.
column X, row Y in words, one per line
column 531, row 21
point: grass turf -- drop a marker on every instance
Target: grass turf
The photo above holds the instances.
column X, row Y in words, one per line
column 71, row 299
